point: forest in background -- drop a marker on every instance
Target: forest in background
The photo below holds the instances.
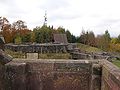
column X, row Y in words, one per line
column 19, row 33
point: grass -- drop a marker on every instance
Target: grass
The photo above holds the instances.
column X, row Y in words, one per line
column 88, row 48
column 117, row 63
column 15, row 54
column 41, row 56
column 55, row 56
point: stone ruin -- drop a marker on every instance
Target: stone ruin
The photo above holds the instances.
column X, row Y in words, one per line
column 77, row 55
column 37, row 74
column 38, row 48
column 2, row 42
column 4, row 58
column 55, row 48
column 59, row 75
column 60, row 45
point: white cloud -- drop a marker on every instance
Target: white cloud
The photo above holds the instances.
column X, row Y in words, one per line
column 96, row 15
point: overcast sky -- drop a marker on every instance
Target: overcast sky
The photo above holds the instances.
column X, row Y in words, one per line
column 95, row 15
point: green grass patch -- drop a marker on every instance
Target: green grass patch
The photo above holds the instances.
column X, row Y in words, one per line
column 41, row 56
column 15, row 54
column 88, row 48
column 55, row 56
column 117, row 63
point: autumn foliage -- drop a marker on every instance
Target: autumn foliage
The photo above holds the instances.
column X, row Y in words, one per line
column 18, row 33
column 11, row 31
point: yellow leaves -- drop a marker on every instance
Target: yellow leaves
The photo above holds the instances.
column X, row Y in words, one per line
column 115, row 47
column 18, row 40
column 114, row 40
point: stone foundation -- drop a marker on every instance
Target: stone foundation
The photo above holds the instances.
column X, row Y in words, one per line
column 59, row 75
column 110, row 76
column 40, row 48
column 76, row 55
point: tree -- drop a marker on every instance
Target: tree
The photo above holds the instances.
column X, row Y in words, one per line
column 18, row 40
column 107, row 40
column 115, row 47
column 103, row 41
column 19, row 25
column 69, row 36
column 43, row 34
column 5, row 27
column 114, row 40
column 107, row 36
column 20, row 28
column 61, row 30
column 100, row 41
column 119, row 37
column 47, row 34
column 26, row 38
column 32, row 36
column 83, row 37
column 87, row 38
column 3, row 23
column 91, row 39
column 73, row 39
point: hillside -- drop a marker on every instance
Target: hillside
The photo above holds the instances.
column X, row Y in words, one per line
column 88, row 48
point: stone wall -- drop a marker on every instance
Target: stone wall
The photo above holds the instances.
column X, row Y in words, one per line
column 15, row 76
column 110, row 76
column 32, row 55
column 50, row 75
column 77, row 55
column 59, row 75
column 2, row 82
column 39, row 48
column 96, row 77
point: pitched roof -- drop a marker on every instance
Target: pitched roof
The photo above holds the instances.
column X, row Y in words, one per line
column 60, row 38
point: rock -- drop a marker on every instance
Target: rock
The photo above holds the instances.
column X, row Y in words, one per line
column 4, row 58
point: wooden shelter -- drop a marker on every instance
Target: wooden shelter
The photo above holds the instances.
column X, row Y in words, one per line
column 60, row 38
